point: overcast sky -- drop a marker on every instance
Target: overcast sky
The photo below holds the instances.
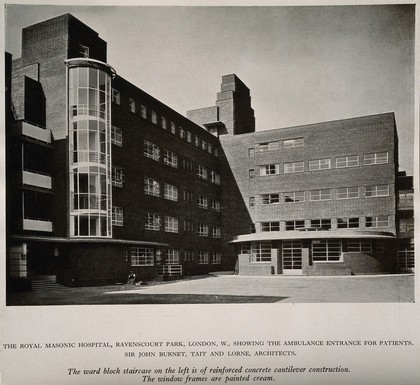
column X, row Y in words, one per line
column 302, row 64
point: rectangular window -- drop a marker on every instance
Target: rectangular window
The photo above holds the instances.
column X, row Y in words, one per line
column 202, row 230
column 170, row 158
column 173, row 128
column 170, row 192
column 376, row 158
column 197, row 141
column 117, row 176
column 188, row 225
column 151, row 187
column 143, row 111
column 251, row 152
column 141, row 256
column 152, row 221
column 214, row 177
column 215, row 205
column 269, row 146
column 188, row 196
column 295, row 196
column 151, row 150
column 154, row 117
column 115, row 96
column 321, row 223
column 260, row 252
column 328, row 250
column 215, row 231
column 181, row 133
column 270, row 226
column 377, row 191
column 320, row 195
column 188, row 164
column 377, row 221
column 291, row 143
column 347, row 161
column 251, row 202
column 209, row 148
column 203, row 257
column 269, row 169
column 203, row 145
column 188, row 136
column 172, row 257
column 319, row 164
column 216, row 258
column 116, row 136
column 202, row 172
column 132, row 105
column 171, row 224
column 83, row 50
column 348, row 223
column 269, row 199
column 188, row 256
column 202, row 201
column 294, row 225
column 216, row 152
column 293, row 167
column 251, row 173
column 163, row 122
column 117, row 216
column 359, row 246
column 347, row 193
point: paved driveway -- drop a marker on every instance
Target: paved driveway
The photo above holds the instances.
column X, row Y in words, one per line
column 235, row 289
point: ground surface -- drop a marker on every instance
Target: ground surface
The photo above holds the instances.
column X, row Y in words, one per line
column 234, row 289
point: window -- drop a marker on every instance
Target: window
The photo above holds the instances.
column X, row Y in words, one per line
column 216, row 258
column 173, row 128
column 181, row 133
column 209, row 148
column 359, row 246
column 117, row 216
column 143, row 112
column 215, row 205
column 321, row 223
column 203, row 230
column 215, row 231
column 251, row 152
column 377, row 191
column 132, row 105
column 328, row 250
column 347, row 192
column 214, row 177
column 376, row 158
column 116, row 136
column 292, row 255
column 291, row 143
column 202, row 172
column 216, row 152
column 203, row 145
column 83, row 50
column 244, row 248
column 172, row 257
column 141, row 256
column 197, row 141
column 151, row 150
column 171, row 225
column 269, row 146
column 170, row 158
column 163, row 122
column 152, row 221
column 296, row 196
column 293, row 167
column 320, row 195
column 188, row 136
column 188, row 164
column 377, row 221
column 154, row 117
column 260, row 252
column 251, row 201
column 151, row 187
column 270, row 226
column 188, row 225
column 294, row 225
column 347, row 223
column 347, row 161
column 188, row 196
column 188, row 255
column 268, row 199
column 203, row 257
column 115, row 96
column 170, row 192
column 117, row 176
column 269, row 169
column 202, row 201
column 251, row 173
column 319, row 164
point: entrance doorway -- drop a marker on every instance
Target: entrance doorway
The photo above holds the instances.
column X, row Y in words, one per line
column 292, row 257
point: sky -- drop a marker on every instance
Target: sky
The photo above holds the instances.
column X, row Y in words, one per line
column 303, row 65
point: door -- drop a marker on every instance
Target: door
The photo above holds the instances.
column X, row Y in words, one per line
column 292, row 257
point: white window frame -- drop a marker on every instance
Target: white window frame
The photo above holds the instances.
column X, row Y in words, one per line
column 269, row 169
column 215, row 205
column 260, row 252
column 347, row 161
column 151, row 187
column 203, row 257
column 202, row 229
column 202, row 201
column 376, row 221
column 152, row 221
column 170, row 192
column 83, row 50
column 294, row 196
column 216, row 258
column 172, row 257
column 116, row 136
column 132, row 105
column 117, row 216
column 117, row 176
column 347, row 193
column 375, row 158
column 214, row 177
column 151, row 150
column 269, row 199
column 377, row 191
column 359, row 246
column 216, row 231
column 153, row 117
column 163, row 122
column 320, row 164
column 320, row 195
column 115, row 96
column 143, row 111
column 270, row 226
column 170, row 158
column 326, row 250
column 294, row 167
column 294, row 224
column 202, row 172
column 293, row 143
column 171, row 224
column 173, row 128
column 142, row 256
